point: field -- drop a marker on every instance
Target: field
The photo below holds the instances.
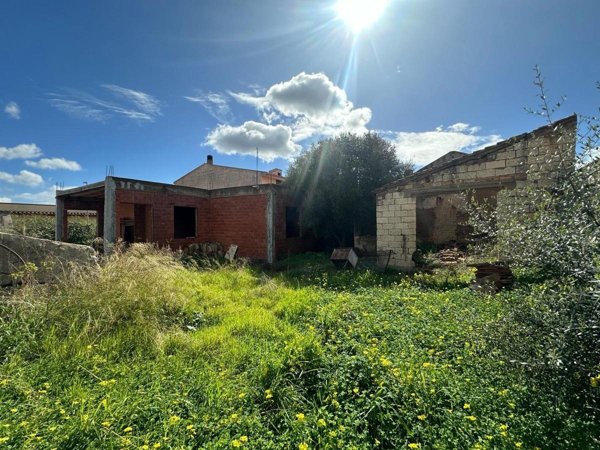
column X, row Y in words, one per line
column 145, row 353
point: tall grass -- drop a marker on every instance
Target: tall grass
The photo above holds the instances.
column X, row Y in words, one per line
column 144, row 353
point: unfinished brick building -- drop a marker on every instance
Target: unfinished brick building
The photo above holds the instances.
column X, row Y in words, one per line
column 257, row 218
column 427, row 208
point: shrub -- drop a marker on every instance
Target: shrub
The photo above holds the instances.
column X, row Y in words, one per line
column 80, row 231
column 553, row 232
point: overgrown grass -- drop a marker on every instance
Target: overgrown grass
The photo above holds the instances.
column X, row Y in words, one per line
column 144, row 353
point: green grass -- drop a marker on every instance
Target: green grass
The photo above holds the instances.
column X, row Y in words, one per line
column 144, row 352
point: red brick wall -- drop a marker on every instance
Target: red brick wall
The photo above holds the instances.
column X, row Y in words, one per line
column 240, row 220
column 287, row 246
column 162, row 214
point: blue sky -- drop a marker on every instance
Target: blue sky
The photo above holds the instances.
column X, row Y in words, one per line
column 152, row 87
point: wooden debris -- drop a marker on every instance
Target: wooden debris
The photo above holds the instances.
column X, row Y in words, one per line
column 496, row 275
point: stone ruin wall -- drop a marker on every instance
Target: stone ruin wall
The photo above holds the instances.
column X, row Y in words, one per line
column 535, row 160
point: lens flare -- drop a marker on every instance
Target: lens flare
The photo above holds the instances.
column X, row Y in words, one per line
column 359, row 14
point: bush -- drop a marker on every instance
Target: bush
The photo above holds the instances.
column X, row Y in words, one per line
column 553, row 233
column 80, row 231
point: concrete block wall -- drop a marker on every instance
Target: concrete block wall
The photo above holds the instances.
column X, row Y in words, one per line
column 397, row 227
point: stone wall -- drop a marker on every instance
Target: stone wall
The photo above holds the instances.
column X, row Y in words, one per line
column 50, row 258
column 533, row 159
column 397, row 227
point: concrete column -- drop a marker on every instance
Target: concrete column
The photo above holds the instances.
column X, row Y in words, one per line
column 270, row 227
column 110, row 214
column 61, row 222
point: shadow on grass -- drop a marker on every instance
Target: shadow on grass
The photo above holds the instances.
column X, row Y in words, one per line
column 316, row 270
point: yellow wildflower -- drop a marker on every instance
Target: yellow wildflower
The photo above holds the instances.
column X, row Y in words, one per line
column 467, row 406
column 471, row 418
column 127, row 430
column 300, row 417
column 236, row 443
column 268, row 394
column 3, row 439
column 243, row 438
column 303, row 446
column 422, row 417
column 106, row 424
column 173, row 420
column 157, row 445
column 242, row 395
column 356, row 390
column 414, row 445
column 518, row 444
column 321, row 422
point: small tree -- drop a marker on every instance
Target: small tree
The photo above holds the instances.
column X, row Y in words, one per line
column 552, row 228
column 554, row 231
column 334, row 180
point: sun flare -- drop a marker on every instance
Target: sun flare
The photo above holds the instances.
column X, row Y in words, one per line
column 359, row 14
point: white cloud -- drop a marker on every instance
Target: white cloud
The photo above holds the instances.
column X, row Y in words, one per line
column 317, row 106
column 215, row 104
column 24, row 177
column 425, row 147
column 54, row 164
column 22, row 151
column 273, row 141
column 13, row 110
column 312, row 95
column 142, row 101
column 47, row 196
column 355, row 121
column 128, row 103
column 5, row 200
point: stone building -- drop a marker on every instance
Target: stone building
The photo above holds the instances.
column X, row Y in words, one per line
column 213, row 176
column 427, row 208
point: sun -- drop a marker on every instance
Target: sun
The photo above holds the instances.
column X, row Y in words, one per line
column 359, row 14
